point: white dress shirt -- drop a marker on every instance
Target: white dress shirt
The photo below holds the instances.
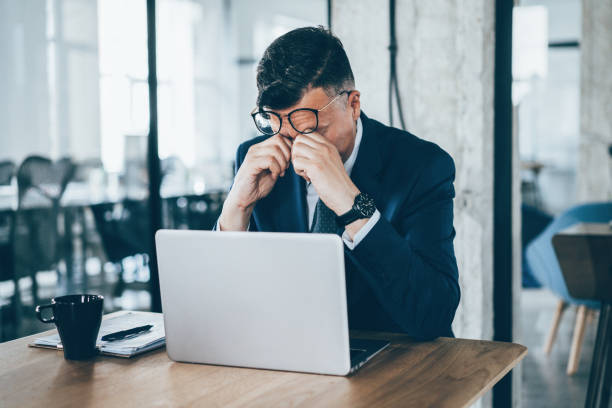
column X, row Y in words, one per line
column 312, row 197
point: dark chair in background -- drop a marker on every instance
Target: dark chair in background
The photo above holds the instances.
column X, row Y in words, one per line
column 183, row 210
column 7, row 266
column 530, row 186
column 7, row 171
column 199, row 212
column 542, row 261
column 124, row 231
column 84, row 168
column 533, row 222
column 45, row 177
column 8, row 311
column 91, row 172
column 173, row 167
column 38, row 232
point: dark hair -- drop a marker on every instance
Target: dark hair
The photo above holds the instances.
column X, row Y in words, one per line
column 302, row 58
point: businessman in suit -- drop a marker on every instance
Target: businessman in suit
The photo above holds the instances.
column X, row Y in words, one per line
column 323, row 166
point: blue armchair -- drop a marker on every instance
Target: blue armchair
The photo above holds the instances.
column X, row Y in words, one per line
column 541, row 259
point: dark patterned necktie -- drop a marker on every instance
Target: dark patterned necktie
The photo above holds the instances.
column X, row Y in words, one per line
column 324, row 220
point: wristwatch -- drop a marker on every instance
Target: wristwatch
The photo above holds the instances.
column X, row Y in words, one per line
column 363, row 207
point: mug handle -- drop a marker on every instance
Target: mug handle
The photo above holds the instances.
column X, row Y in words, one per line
column 39, row 314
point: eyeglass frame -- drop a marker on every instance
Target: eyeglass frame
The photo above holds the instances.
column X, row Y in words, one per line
column 288, row 115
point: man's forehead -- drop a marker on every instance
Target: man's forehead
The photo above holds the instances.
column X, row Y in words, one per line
column 312, row 98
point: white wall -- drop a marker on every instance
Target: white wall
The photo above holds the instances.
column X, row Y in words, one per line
column 49, row 79
column 595, row 165
column 24, row 116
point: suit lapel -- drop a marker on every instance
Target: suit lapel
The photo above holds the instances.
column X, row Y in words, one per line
column 366, row 176
column 368, row 165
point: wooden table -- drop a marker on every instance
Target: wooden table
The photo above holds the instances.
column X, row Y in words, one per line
column 584, row 252
column 443, row 373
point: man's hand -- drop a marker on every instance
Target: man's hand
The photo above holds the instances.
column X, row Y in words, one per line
column 318, row 161
column 263, row 164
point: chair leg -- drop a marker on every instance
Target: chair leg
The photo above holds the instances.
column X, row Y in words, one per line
column 574, row 357
column 552, row 334
column 591, row 313
column 120, row 285
column 34, row 288
column 17, row 308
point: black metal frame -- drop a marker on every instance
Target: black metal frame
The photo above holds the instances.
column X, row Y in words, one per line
column 564, row 44
column 502, row 191
column 393, row 81
column 600, row 378
column 153, row 162
column 280, row 120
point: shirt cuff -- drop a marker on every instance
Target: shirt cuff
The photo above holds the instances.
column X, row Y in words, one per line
column 361, row 234
column 216, row 227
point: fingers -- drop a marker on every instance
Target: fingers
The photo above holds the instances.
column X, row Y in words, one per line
column 276, row 152
column 317, row 144
column 314, row 137
column 312, row 149
column 310, row 141
column 300, row 164
column 303, row 149
column 281, row 154
column 269, row 162
column 284, row 144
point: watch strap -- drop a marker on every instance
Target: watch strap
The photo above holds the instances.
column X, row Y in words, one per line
column 363, row 207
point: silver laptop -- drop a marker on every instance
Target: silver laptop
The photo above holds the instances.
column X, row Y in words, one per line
column 258, row 299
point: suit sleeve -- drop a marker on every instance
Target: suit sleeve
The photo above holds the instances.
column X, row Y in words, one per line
column 240, row 154
column 410, row 263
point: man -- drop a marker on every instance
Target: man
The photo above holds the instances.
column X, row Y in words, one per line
column 323, row 166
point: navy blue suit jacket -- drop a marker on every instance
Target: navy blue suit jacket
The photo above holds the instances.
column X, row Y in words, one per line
column 402, row 277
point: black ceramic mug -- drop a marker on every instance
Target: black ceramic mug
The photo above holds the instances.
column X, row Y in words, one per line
column 78, row 319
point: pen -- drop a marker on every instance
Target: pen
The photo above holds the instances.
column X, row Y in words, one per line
column 125, row 333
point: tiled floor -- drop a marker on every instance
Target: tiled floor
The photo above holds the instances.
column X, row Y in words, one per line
column 545, row 383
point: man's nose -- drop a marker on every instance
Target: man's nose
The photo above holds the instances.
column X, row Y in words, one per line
column 288, row 131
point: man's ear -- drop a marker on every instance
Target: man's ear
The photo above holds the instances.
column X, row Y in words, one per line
column 355, row 104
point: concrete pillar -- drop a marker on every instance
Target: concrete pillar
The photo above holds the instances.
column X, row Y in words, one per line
column 595, row 164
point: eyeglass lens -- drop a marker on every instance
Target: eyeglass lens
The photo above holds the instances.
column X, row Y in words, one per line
column 303, row 121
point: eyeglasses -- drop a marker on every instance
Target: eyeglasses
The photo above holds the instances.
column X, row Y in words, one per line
column 303, row 120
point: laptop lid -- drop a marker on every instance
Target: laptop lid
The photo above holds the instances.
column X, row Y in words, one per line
column 255, row 299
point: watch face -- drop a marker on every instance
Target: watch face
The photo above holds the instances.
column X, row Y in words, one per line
column 364, row 204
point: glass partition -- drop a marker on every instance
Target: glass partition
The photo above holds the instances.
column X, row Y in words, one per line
column 74, row 184
column 207, row 53
column 73, row 180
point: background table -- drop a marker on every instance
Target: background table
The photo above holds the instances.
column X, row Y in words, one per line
column 443, row 373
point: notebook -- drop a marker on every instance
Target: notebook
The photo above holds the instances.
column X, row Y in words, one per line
column 150, row 340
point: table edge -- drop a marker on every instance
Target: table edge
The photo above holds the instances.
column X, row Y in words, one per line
column 499, row 376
